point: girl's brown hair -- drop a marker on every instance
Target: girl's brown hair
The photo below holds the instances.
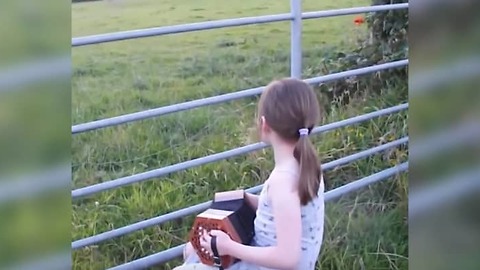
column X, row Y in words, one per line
column 289, row 105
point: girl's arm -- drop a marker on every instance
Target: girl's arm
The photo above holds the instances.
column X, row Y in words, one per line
column 286, row 210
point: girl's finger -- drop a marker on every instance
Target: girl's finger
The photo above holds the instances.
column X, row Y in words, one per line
column 215, row 232
column 205, row 246
column 203, row 243
column 204, row 238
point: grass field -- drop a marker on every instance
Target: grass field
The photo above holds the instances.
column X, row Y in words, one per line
column 365, row 230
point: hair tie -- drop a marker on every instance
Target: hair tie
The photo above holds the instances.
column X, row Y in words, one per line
column 303, row 131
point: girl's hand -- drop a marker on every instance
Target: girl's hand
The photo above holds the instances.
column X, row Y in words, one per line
column 223, row 241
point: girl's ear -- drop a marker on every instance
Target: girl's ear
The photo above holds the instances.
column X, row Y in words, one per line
column 264, row 125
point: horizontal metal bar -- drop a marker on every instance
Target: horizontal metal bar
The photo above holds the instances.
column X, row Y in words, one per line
column 222, row 98
column 175, row 252
column 452, row 73
column 443, row 192
column 122, row 119
column 357, row 72
column 351, row 11
column 35, row 184
column 182, row 28
column 174, row 29
column 152, row 260
column 58, row 261
column 350, row 187
column 34, row 72
column 136, row 178
column 202, row 206
column 461, row 135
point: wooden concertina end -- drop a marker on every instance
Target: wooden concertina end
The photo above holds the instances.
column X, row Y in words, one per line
column 230, row 212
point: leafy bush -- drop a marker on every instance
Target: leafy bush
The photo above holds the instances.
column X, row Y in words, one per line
column 385, row 42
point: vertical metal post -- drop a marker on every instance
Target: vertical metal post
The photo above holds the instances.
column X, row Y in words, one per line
column 296, row 39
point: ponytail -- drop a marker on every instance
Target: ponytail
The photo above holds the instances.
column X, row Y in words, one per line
column 310, row 171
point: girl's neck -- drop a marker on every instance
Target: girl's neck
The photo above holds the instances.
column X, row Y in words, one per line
column 283, row 153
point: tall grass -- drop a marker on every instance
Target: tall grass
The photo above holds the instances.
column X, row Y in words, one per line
column 365, row 230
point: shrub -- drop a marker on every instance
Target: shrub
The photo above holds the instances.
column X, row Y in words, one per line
column 386, row 41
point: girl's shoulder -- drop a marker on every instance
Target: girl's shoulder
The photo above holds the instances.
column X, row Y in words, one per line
column 282, row 180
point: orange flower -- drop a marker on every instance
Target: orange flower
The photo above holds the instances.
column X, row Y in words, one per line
column 359, row 20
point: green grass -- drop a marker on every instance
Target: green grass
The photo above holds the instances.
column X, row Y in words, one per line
column 366, row 230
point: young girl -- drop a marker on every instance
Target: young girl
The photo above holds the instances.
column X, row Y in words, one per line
column 290, row 207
